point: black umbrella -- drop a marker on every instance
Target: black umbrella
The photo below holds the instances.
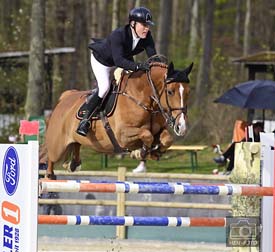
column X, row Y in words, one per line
column 255, row 94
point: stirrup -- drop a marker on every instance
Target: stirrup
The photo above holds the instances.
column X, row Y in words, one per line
column 83, row 127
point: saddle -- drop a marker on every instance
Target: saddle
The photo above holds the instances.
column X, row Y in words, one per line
column 108, row 105
column 109, row 102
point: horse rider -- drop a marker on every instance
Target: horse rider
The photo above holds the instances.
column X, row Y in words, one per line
column 117, row 50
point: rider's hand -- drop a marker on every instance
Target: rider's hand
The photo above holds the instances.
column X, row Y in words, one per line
column 143, row 66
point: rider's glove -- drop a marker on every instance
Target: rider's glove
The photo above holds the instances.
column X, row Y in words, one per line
column 142, row 67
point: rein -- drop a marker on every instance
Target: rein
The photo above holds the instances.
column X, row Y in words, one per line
column 167, row 116
column 137, row 102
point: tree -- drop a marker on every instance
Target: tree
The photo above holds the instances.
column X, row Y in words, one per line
column 247, row 29
column 164, row 24
column 115, row 14
column 187, row 16
column 34, row 103
column 203, row 83
column 130, row 5
column 174, row 27
column 104, row 28
column 237, row 30
column 194, row 34
column 8, row 11
column 80, row 64
column 263, row 29
column 59, row 63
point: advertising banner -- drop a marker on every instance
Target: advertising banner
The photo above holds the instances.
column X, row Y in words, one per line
column 18, row 197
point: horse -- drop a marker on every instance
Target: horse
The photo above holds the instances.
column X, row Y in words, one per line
column 145, row 102
column 158, row 119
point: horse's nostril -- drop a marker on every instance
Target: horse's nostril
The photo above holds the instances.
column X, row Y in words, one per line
column 180, row 129
column 177, row 128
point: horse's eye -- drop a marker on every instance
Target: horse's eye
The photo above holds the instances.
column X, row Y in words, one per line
column 170, row 92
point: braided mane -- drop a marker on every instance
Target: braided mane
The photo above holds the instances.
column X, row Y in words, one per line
column 158, row 60
column 158, row 64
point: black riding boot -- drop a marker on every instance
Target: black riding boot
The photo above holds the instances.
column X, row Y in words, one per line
column 93, row 104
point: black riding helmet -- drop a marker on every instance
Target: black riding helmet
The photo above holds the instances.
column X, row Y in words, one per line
column 142, row 15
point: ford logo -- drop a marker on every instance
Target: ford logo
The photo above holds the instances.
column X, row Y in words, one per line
column 11, row 170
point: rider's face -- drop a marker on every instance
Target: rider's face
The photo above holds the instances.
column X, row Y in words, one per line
column 142, row 29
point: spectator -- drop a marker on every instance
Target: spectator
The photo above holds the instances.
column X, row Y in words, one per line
column 229, row 153
column 54, row 209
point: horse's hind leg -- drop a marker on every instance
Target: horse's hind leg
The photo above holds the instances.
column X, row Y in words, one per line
column 75, row 163
column 49, row 172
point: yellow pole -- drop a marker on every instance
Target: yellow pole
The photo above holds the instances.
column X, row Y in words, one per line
column 120, row 230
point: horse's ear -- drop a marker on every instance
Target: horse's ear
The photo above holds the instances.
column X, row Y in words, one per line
column 188, row 70
column 176, row 75
column 170, row 69
column 183, row 77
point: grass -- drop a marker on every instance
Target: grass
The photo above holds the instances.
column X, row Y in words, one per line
column 170, row 162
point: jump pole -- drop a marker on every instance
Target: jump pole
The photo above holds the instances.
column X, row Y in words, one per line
column 157, row 188
column 18, row 197
column 132, row 221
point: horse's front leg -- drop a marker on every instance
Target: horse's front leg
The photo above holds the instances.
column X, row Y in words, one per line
column 74, row 163
column 132, row 135
column 49, row 172
column 166, row 140
column 147, row 138
column 162, row 142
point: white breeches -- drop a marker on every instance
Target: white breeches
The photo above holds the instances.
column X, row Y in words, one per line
column 102, row 75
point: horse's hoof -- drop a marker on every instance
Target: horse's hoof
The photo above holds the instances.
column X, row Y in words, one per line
column 66, row 165
column 136, row 154
column 72, row 166
column 50, row 176
column 132, row 154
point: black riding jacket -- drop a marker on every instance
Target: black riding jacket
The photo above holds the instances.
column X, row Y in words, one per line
column 116, row 49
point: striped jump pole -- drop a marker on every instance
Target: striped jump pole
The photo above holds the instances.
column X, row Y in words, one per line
column 139, row 182
column 132, row 221
column 161, row 188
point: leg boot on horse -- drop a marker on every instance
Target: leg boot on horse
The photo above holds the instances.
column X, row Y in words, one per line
column 93, row 104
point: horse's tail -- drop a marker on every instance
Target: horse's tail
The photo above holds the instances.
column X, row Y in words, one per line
column 47, row 119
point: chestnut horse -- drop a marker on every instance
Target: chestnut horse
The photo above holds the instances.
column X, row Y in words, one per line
column 146, row 103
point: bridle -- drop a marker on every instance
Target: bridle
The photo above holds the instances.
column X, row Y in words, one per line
column 182, row 110
column 166, row 113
